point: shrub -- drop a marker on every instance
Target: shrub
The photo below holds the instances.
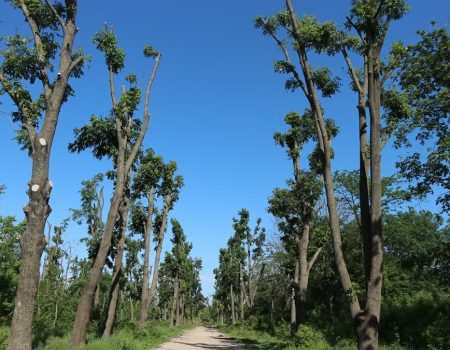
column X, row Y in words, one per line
column 4, row 333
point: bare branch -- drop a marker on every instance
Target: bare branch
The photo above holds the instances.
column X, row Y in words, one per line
column 146, row 121
column 314, row 258
column 352, row 71
column 39, row 48
column 349, row 20
column 76, row 62
column 61, row 22
column 389, row 70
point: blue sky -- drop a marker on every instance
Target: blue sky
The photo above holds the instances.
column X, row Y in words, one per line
column 215, row 105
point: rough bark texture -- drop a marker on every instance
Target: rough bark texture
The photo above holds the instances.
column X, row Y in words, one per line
column 117, row 273
column 145, row 287
column 37, row 210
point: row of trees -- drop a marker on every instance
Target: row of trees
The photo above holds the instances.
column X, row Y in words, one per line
column 141, row 180
column 394, row 97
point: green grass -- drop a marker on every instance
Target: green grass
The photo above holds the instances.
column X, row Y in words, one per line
column 308, row 338
column 130, row 338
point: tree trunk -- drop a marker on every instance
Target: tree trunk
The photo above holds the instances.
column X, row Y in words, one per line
column 145, row 287
column 85, row 304
column 117, row 274
column 241, row 278
column 325, row 147
column 131, row 310
column 37, row 210
column 174, row 312
column 162, row 230
column 233, row 316
column 293, row 300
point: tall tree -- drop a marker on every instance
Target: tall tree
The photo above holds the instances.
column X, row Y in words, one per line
column 371, row 20
column 170, row 192
column 295, row 209
column 124, row 149
column 118, row 262
column 424, row 76
column 145, row 184
column 27, row 60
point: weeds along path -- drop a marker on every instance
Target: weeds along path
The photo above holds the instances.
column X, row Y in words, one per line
column 201, row 338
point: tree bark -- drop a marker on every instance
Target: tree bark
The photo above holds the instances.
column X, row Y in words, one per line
column 294, row 326
column 145, row 287
column 117, row 274
column 233, row 315
column 241, row 279
column 37, row 210
column 174, row 313
column 162, row 230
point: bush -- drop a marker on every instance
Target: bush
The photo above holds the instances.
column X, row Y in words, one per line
column 4, row 333
column 310, row 338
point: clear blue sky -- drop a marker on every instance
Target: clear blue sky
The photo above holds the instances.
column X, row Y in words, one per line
column 215, row 105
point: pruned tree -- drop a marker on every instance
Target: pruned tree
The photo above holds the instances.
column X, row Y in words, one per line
column 371, row 20
column 294, row 209
column 126, row 134
column 49, row 57
column 170, row 192
column 145, row 184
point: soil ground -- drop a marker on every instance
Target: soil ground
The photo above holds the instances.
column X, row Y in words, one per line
column 202, row 338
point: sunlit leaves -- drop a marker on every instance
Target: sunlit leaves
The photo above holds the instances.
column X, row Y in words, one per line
column 106, row 42
column 150, row 51
column 325, row 82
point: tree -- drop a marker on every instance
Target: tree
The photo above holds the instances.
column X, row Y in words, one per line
column 294, row 209
column 424, row 76
column 170, row 192
column 371, row 21
column 123, row 153
column 27, row 60
column 145, row 185
column 92, row 204
column 254, row 243
column 10, row 231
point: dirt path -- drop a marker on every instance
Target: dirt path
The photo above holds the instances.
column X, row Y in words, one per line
column 201, row 338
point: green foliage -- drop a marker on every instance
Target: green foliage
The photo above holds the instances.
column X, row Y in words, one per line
column 10, row 233
column 4, row 334
column 424, row 76
column 106, row 42
column 149, row 51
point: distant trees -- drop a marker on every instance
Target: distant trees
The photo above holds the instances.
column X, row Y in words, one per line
column 48, row 56
column 180, row 274
column 240, row 267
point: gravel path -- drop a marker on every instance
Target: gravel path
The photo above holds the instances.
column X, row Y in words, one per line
column 201, row 338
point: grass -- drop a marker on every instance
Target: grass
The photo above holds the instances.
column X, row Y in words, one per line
column 308, row 338
column 129, row 338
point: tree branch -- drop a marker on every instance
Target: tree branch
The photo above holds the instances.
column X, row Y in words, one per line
column 39, row 48
column 314, row 258
column 61, row 22
column 352, row 71
column 146, row 121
